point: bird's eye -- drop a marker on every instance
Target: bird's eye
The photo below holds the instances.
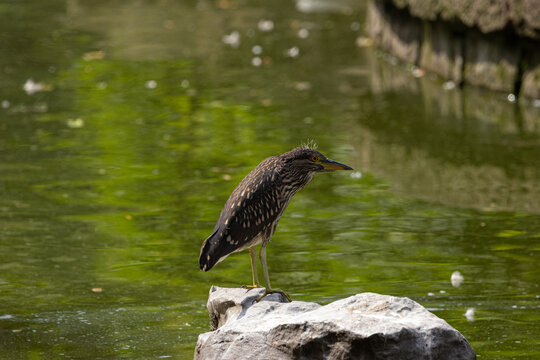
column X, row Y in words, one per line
column 314, row 158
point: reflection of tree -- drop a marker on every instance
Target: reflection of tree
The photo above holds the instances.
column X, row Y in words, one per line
column 441, row 146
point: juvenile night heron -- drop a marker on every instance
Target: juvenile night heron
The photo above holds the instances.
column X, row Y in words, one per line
column 250, row 216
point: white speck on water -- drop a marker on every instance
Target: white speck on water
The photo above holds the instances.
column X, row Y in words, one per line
column 449, row 85
column 363, row 41
column 7, row 316
column 293, row 52
column 257, row 50
column 456, row 279
column 302, row 85
column 232, row 39
column 150, row 84
column 31, row 87
column 443, row 291
column 514, row 306
column 430, row 294
column 75, row 123
column 102, row 85
column 184, row 83
column 256, row 61
column 511, row 97
column 469, row 314
column 536, row 103
column 303, row 33
column 418, row 72
column 5, row 104
column 356, row 175
column 265, row 25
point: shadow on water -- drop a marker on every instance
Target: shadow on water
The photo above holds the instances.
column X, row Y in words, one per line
column 115, row 171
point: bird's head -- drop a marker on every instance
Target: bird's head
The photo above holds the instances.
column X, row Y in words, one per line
column 305, row 159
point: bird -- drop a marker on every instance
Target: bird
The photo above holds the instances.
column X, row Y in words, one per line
column 255, row 206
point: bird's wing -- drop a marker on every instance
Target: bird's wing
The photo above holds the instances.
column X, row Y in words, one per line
column 248, row 217
column 253, row 207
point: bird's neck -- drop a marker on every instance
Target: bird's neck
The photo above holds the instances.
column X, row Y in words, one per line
column 293, row 184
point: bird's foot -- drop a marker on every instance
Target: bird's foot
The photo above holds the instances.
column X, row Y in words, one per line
column 249, row 287
column 274, row 291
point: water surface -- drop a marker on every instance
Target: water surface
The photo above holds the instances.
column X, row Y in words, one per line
column 144, row 116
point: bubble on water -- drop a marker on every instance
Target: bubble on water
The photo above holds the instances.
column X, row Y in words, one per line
column 265, row 25
column 303, row 33
column 5, row 104
column 150, row 84
column 357, row 175
column 293, row 52
column 456, row 279
column 232, row 39
column 511, row 97
column 256, row 61
column 184, row 83
column 449, row 85
column 257, row 50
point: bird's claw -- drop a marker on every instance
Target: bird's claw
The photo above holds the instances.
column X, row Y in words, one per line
column 274, row 291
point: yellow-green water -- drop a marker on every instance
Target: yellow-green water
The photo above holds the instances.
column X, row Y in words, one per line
column 113, row 175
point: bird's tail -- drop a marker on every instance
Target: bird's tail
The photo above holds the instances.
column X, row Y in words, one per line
column 210, row 252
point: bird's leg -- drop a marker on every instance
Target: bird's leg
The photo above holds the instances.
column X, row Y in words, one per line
column 268, row 289
column 253, row 258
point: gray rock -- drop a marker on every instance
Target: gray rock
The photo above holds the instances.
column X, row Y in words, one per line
column 399, row 35
column 488, row 43
column 363, row 326
column 521, row 17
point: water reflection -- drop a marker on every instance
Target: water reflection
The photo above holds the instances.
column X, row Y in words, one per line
column 112, row 179
column 461, row 148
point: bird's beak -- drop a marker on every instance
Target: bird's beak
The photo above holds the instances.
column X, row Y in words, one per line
column 331, row 165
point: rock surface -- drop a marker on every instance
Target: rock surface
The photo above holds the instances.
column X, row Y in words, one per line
column 488, row 43
column 523, row 16
column 363, row 326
